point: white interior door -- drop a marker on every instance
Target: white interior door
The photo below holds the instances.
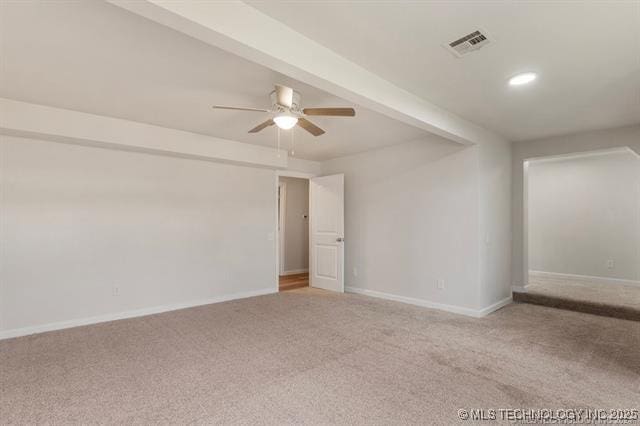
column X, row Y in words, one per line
column 326, row 208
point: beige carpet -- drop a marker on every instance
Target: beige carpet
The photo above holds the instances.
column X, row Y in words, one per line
column 615, row 295
column 311, row 357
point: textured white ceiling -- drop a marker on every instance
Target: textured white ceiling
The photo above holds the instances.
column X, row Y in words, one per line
column 97, row 58
column 587, row 54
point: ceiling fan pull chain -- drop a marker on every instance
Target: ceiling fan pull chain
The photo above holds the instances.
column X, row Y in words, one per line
column 293, row 144
column 278, row 129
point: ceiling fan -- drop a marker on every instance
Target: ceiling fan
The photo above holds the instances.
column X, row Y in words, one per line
column 286, row 110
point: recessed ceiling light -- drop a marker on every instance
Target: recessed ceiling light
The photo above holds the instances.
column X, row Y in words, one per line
column 524, row 78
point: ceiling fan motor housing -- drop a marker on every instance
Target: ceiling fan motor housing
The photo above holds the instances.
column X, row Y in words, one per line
column 295, row 104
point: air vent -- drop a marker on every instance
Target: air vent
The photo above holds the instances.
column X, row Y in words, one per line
column 468, row 43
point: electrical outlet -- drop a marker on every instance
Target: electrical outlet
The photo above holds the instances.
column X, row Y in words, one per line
column 440, row 284
column 116, row 290
column 611, row 264
column 355, row 272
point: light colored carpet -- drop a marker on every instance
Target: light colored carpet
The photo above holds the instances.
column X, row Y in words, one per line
column 308, row 356
column 614, row 295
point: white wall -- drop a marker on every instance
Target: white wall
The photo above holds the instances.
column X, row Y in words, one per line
column 305, row 166
column 168, row 231
column 296, row 243
column 522, row 151
column 77, row 221
column 425, row 211
column 411, row 219
column 583, row 212
column 495, row 222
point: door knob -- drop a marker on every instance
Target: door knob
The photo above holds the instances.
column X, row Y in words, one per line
column 340, row 239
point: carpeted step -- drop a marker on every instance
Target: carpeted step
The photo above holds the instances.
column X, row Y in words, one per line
column 588, row 307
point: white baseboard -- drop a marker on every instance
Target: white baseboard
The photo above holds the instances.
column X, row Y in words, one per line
column 476, row 313
column 519, row 288
column 25, row 331
column 294, row 271
column 597, row 280
column 492, row 308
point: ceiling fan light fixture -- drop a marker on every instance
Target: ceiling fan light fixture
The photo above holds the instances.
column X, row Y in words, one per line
column 285, row 105
column 285, row 121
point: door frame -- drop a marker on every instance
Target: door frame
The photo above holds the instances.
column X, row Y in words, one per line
column 278, row 174
column 282, row 216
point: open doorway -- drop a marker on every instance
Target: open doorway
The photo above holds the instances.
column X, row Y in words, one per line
column 293, row 233
column 582, row 232
column 310, row 231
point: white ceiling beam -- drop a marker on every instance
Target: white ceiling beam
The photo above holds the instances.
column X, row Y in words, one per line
column 242, row 30
column 62, row 125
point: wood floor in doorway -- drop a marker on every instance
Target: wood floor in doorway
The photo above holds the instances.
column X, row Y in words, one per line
column 289, row 282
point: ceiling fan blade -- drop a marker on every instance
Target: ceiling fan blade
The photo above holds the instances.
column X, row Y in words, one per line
column 336, row 112
column 284, row 95
column 261, row 126
column 310, row 127
column 239, row 108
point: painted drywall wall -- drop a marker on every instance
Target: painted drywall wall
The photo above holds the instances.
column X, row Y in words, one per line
column 429, row 211
column 411, row 219
column 88, row 231
column 584, row 212
column 443, row 234
column 495, row 222
column 296, row 225
column 305, row 166
column 579, row 142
